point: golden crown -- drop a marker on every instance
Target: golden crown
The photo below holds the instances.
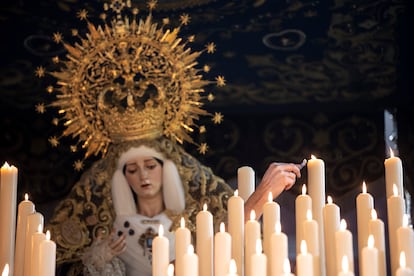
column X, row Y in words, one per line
column 129, row 79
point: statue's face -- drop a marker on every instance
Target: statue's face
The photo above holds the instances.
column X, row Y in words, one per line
column 144, row 175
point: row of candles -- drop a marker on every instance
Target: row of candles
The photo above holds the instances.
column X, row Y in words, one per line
column 24, row 248
column 323, row 244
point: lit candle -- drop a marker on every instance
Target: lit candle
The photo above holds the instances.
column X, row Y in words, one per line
column 271, row 214
column 278, row 250
column 369, row 259
column 310, row 228
column 8, row 197
column 222, row 251
column 403, row 270
column 235, row 209
column 344, row 246
column 395, row 211
column 5, row 270
column 47, row 255
column 252, row 233
column 204, row 241
column 393, row 174
column 190, row 261
column 364, row 205
column 33, row 222
column 170, row 270
column 304, row 261
column 376, row 229
column 37, row 238
column 405, row 241
column 303, row 203
column 345, row 268
column 245, row 182
column 25, row 208
column 232, row 268
column 160, row 253
column 182, row 241
column 258, row 264
column 286, row 268
column 316, row 182
column 331, row 217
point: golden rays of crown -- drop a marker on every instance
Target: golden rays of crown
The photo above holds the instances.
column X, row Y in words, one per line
column 129, row 79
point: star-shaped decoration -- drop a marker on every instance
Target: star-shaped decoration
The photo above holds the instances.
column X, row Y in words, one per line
column 202, row 129
column 54, row 141
column 185, row 19
column 78, row 165
column 73, row 148
column 55, row 121
column 202, row 149
column 210, row 97
column 206, row 68
column 103, row 16
column 40, row 108
column 152, row 4
column 220, row 81
column 57, row 37
column 40, row 72
column 82, row 14
column 55, row 59
column 211, row 47
column 191, row 38
column 166, row 21
column 49, row 89
column 74, row 32
column 217, row 118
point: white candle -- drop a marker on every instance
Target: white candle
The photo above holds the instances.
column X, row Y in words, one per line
column 47, row 254
column 245, row 182
column 369, row 259
column 286, row 268
column 170, row 270
column 405, row 241
column 232, row 268
column 395, row 211
column 345, row 268
column 376, row 229
column 33, row 221
column 160, row 253
column 316, row 182
column 393, row 174
column 331, row 217
column 222, row 251
column 303, row 203
column 344, row 246
column 310, row 227
column 271, row 214
column 190, row 261
column 364, row 205
column 204, row 241
column 235, row 211
column 8, row 197
column 182, row 241
column 5, row 270
column 37, row 238
column 403, row 270
column 25, row 208
column 278, row 250
column 252, row 233
column 258, row 264
column 304, row 261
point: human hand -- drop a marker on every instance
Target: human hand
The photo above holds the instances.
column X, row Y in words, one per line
column 116, row 244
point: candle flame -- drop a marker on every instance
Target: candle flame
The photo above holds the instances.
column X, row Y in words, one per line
column 364, row 187
column 161, row 230
column 270, row 197
column 48, row 235
column 391, row 153
column 233, row 267
column 278, row 227
column 6, row 165
column 343, row 225
column 26, row 196
column 190, row 249
column 304, row 189
column 330, row 200
column 170, row 270
column 309, row 214
column 5, row 270
column 258, row 246
column 405, row 220
column 371, row 241
column 395, row 190
column 345, row 264
column 286, row 266
column 374, row 215
column 403, row 260
column 222, row 227
column 205, row 207
column 182, row 222
column 313, row 157
column 252, row 215
column 236, row 193
column 303, row 247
